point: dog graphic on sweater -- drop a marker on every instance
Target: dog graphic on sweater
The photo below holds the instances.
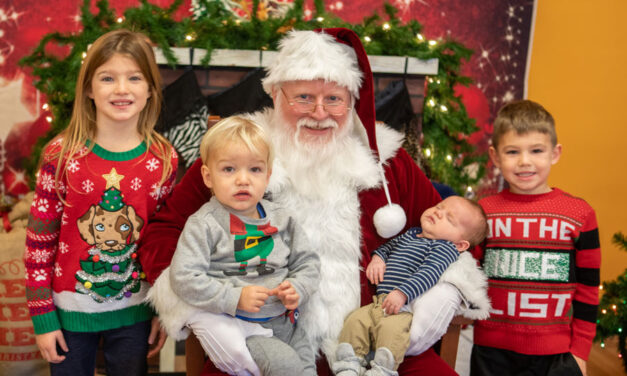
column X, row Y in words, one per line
column 110, row 230
column 110, row 271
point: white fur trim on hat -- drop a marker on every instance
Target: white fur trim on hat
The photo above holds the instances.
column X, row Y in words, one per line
column 309, row 55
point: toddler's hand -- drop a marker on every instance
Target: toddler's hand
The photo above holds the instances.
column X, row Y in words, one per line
column 252, row 298
column 393, row 302
column 287, row 295
column 375, row 270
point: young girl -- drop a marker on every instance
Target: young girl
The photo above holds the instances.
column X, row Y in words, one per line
column 99, row 181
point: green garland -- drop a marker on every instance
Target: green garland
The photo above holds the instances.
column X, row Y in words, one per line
column 446, row 125
column 612, row 314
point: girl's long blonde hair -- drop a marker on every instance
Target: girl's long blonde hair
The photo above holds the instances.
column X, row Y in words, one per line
column 82, row 126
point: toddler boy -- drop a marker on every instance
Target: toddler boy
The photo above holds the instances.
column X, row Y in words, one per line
column 241, row 266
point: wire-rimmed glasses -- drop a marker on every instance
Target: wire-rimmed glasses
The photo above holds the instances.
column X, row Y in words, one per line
column 334, row 106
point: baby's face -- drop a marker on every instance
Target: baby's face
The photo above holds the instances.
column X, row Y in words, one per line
column 448, row 220
column 237, row 177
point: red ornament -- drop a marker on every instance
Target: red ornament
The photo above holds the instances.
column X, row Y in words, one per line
column 96, row 258
column 15, row 181
column 17, row 147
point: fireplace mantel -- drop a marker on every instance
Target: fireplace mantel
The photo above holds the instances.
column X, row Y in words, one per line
column 254, row 59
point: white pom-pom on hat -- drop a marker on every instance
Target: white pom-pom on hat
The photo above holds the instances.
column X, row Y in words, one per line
column 390, row 219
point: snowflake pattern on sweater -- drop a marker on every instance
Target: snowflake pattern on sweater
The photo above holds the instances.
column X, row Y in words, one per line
column 82, row 272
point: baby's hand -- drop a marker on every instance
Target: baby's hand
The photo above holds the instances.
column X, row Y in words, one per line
column 375, row 270
column 252, row 298
column 287, row 294
column 393, row 302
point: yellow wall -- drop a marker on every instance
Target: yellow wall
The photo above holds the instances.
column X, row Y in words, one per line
column 578, row 72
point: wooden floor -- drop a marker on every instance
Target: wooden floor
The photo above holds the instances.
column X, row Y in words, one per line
column 602, row 362
column 605, row 361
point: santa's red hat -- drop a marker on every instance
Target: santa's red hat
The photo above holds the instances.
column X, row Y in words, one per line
column 313, row 55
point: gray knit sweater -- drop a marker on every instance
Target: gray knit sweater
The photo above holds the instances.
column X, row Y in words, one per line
column 219, row 252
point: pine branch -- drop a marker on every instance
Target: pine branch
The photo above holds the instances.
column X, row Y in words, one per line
column 620, row 240
column 612, row 315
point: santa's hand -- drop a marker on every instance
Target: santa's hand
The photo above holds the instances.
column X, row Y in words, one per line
column 287, row 294
column 393, row 303
column 252, row 298
column 375, row 270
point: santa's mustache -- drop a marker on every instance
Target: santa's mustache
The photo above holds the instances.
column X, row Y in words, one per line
column 314, row 124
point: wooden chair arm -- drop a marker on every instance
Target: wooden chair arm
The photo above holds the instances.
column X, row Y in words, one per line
column 461, row 320
column 212, row 119
column 450, row 340
column 194, row 356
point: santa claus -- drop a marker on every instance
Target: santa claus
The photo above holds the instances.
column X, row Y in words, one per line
column 347, row 181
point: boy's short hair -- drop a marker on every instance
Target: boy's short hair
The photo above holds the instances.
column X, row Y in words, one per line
column 523, row 116
column 236, row 129
column 479, row 230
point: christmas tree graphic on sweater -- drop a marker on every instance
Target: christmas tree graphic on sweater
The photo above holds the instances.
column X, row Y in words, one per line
column 111, row 227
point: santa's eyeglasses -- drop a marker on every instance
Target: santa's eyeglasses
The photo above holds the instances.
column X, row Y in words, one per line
column 333, row 105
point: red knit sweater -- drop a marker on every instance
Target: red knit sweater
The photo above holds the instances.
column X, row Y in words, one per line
column 82, row 252
column 542, row 258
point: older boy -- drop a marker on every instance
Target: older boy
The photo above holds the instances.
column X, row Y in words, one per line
column 403, row 269
column 542, row 257
column 241, row 263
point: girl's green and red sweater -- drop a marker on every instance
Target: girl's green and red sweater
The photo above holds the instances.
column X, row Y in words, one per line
column 82, row 271
column 542, row 259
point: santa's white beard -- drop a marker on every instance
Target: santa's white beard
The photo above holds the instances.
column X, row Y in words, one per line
column 316, row 167
column 320, row 182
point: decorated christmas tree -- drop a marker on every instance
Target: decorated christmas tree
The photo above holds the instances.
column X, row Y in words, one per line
column 114, row 273
column 613, row 308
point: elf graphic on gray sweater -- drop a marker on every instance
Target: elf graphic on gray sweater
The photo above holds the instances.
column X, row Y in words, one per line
column 250, row 242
